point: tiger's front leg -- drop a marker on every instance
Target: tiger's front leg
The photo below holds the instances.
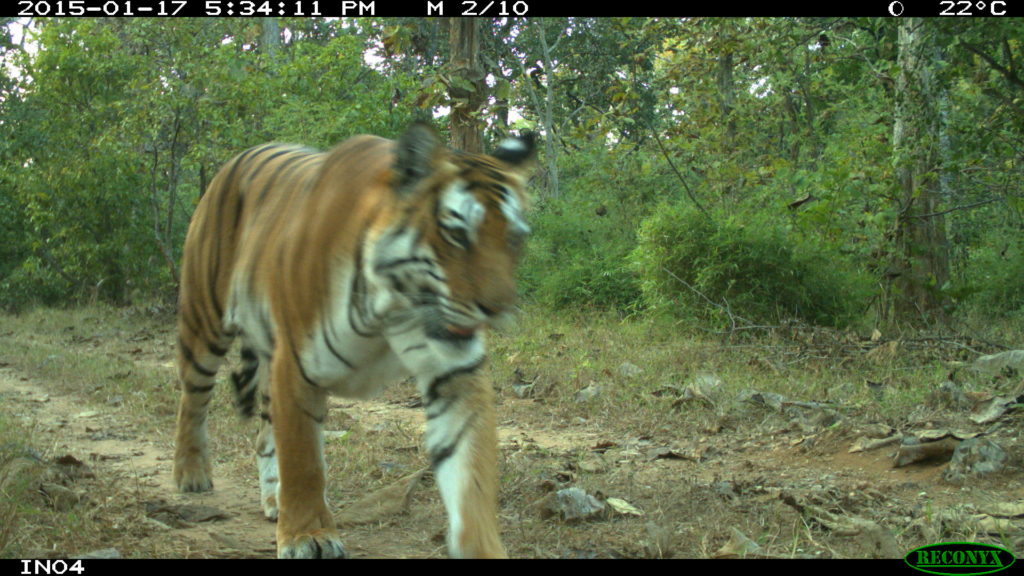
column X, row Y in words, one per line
column 305, row 526
column 462, row 443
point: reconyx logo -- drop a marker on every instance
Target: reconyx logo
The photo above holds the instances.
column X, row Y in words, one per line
column 959, row 558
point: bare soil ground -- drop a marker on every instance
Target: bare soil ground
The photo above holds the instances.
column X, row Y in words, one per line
column 694, row 473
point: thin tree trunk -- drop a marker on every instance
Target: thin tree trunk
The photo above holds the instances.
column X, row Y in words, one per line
column 466, row 90
column 271, row 36
column 921, row 265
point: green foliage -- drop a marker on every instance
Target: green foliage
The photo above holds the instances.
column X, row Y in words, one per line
column 991, row 281
column 577, row 255
column 577, row 259
column 742, row 268
column 111, row 127
column 116, row 125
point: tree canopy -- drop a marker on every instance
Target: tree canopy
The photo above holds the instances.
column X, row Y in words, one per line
column 832, row 170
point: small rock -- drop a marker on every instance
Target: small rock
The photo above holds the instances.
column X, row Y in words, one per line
column 570, row 504
column 60, row 497
column 630, row 370
column 975, row 456
column 589, row 393
column 996, row 364
column 769, row 399
column 102, row 554
column 522, row 387
column 593, row 464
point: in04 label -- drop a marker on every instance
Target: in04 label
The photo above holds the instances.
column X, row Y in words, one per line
column 59, row 567
column 959, row 558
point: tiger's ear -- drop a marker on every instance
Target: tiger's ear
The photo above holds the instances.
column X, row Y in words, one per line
column 518, row 152
column 416, row 155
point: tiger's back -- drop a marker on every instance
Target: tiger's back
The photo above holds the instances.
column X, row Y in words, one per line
column 341, row 271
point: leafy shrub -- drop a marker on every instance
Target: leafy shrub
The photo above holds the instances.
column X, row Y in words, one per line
column 991, row 281
column 576, row 258
column 730, row 267
column 31, row 284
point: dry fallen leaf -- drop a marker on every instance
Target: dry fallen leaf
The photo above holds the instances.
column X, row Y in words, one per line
column 738, row 545
column 623, row 507
column 1004, row 509
column 387, row 501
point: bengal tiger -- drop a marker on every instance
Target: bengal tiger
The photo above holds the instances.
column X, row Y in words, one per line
column 342, row 271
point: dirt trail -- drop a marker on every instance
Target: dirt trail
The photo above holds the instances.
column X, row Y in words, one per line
column 791, row 491
column 226, row 522
column 105, row 443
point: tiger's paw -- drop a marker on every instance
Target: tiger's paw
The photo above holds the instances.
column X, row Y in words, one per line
column 193, row 478
column 270, row 508
column 318, row 545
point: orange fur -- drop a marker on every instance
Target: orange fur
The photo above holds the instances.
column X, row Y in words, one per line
column 336, row 267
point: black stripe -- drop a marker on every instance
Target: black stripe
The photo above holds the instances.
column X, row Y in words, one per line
column 314, row 417
column 302, row 371
column 194, row 389
column 197, row 312
column 357, row 305
column 283, row 185
column 280, row 150
column 192, row 360
column 242, row 378
column 216, row 231
column 448, row 403
column 272, row 181
column 239, row 209
column 432, row 390
column 218, row 226
column 438, row 457
column 250, row 155
column 380, row 268
column 286, row 330
column 268, row 329
column 186, row 317
column 327, row 340
column 245, row 395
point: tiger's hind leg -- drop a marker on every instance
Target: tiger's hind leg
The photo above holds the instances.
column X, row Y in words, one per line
column 266, row 449
column 250, row 382
column 198, row 361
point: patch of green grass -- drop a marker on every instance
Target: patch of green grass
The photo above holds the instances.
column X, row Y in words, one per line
column 640, row 368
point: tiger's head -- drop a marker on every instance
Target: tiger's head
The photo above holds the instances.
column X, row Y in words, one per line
column 451, row 255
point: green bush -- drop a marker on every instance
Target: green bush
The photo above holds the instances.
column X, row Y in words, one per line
column 727, row 268
column 576, row 258
column 31, row 284
column 991, row 281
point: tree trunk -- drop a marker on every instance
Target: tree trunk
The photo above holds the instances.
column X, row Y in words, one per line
column 543, row 104
column 921, row 255
column 727, row 100
column 271, row 36
column 467, row 88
